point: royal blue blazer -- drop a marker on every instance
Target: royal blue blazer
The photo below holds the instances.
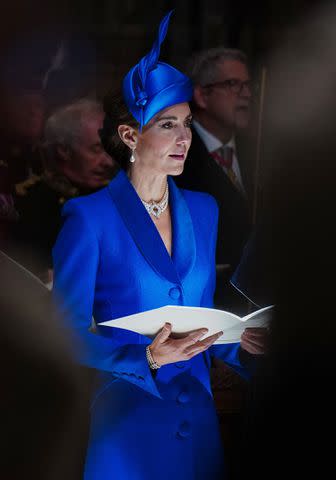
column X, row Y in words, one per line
column 110, row 261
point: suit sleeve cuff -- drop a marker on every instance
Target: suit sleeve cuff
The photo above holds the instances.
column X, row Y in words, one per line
column 129, row 363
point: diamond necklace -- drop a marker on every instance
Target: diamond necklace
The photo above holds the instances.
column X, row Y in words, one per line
column 157, row 208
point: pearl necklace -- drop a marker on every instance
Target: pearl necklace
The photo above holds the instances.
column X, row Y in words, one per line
column 157, row 208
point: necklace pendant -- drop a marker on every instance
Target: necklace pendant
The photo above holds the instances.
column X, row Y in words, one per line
column 156, row 210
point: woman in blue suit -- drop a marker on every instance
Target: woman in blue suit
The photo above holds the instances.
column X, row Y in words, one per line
column 138, row 244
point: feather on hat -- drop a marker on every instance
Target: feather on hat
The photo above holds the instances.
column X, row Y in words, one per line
column 151, row 86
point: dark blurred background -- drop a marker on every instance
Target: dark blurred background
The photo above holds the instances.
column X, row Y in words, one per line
column 109, row 35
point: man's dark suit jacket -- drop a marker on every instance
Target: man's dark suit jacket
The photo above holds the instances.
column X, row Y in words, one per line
column 202, row 173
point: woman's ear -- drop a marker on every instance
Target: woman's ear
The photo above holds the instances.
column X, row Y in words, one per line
column 128, row 135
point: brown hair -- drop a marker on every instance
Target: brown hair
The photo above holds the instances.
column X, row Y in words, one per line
column 116, row 113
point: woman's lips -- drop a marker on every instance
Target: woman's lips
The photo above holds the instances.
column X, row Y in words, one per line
column 178, row 156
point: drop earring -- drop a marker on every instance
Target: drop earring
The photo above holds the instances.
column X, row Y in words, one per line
column 132, row 159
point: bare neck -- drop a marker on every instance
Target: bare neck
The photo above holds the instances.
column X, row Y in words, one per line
column 148, row 185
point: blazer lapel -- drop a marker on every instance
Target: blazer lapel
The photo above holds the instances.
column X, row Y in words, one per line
column 183, row 237
column 247, row 163
column 141, row 227
column 217, row 178
column 207, row 169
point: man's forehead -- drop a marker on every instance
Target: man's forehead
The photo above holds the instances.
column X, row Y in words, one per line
column 93, row 122
column 232, row 69
column 88, row 133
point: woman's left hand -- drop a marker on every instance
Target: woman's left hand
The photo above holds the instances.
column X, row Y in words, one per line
column 254, row 340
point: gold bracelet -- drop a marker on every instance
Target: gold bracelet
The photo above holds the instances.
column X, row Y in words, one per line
column 151, row 362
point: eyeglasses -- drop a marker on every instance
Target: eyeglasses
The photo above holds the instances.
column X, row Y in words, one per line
column 234, row 85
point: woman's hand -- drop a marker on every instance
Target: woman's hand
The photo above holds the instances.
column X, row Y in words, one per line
column 165, row 349
column 254, row 340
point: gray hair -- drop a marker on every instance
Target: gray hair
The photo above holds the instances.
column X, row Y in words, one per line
column 202, row 68
column 64, row 126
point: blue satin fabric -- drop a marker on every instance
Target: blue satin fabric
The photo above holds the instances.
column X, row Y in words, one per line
column 165, row 86
column 151, row 86
column 110, row 261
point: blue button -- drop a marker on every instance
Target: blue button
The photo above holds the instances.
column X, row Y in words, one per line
column 179, row 365
column 184, row 429
column 175, row 293
column 183, row 397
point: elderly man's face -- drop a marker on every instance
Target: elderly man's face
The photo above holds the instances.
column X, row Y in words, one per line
column 88, row 166
column 228, row 99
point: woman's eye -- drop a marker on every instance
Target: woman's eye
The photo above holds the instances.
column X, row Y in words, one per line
column 188, row 124
column 167, row 125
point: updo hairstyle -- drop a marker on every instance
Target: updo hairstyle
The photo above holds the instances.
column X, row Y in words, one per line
column 116, row 113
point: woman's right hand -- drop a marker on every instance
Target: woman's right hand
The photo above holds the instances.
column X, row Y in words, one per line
column 165, row 349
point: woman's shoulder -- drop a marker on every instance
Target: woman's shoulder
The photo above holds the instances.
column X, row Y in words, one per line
column 101, row 199
column 87, row 204
column 200, row 199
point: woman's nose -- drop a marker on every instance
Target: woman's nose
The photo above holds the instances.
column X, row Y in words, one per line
column 184, row 136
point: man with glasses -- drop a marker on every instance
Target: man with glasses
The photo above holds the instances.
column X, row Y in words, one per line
column 219, row 162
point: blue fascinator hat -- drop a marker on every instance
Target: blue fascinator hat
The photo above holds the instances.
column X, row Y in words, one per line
column 151, row 86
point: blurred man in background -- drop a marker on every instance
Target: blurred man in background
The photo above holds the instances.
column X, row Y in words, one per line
column 220, row 160
column 75, row 164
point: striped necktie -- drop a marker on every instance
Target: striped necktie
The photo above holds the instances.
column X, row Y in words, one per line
column 224, row 157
